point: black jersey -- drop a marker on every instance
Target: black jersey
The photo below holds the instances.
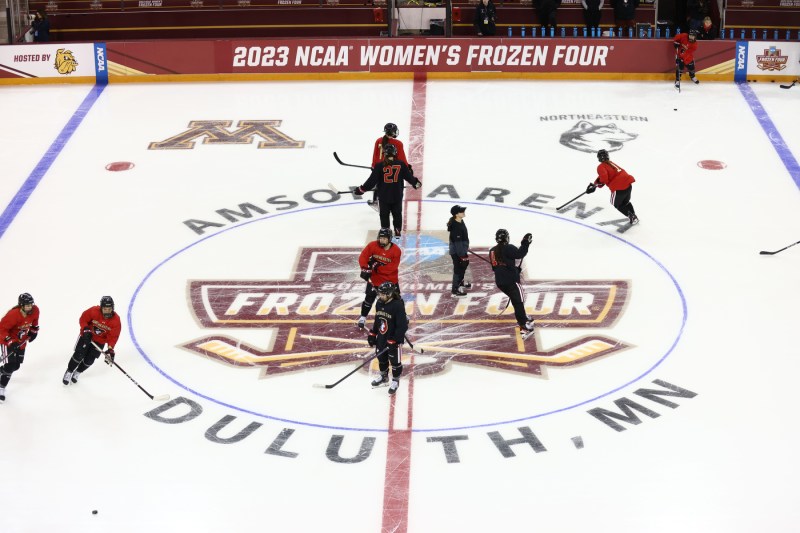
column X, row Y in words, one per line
column 506, row 260
column 388, row 179
column 391, row 322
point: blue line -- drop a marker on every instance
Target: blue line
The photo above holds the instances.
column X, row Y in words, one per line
column 784, row 152
column 18, row 202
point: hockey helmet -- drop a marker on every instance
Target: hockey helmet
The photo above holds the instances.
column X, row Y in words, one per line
column 390, row 150
column 107, row 301
column 391, row 130
column 387, row 288
column 692, row 36
column 25, row 299
column 385, row 232
column 602, row 156
column 501, row 236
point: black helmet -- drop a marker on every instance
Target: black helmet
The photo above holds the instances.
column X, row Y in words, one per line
column 390, row 150
column 602, row 156
column 107, row 301
column 385, row 232
column 456, row 209
column 390, row 129
column 501, row 236
column 25, row 299
column 387, row 287
column 693, row 35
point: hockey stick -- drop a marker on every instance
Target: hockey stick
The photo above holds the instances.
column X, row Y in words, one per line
column 356, row 369
column 764, row 252
column 337, row 191
column 420, row 351
column 159, row 398
column 336, row 156
column 789, row 86
column 566, row 204
column 479, row 256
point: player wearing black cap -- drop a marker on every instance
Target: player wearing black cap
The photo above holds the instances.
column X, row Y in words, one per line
column 459, row 249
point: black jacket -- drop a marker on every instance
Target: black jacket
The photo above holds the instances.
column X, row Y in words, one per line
column 506, row 260
column 459, row 237
column 486, row 13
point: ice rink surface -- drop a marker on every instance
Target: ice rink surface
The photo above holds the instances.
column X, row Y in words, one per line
column 658, row 394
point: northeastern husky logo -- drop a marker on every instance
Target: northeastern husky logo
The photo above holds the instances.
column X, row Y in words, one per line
column 313, row 315
column 218, row 132
column 587, row 137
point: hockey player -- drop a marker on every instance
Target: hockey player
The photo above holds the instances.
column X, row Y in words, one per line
column 459, row 249
column 685, row 45
column 619, row 182
column 389, row 331
column 379, row 262
column 387, row 178
column 506, row 260
column 17, row 328
column 390, row 133
column 100, row 325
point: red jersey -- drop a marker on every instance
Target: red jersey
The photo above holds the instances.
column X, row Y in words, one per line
column 384, row 263
column 686, row 50
column 16, row 326
column 104, row 330
column 377, row 152
column 608, row 173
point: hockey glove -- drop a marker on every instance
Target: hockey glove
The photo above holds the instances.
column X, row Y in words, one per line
column 359, row 191
column 13, row 348
column 110, row 356
column 365, row 274
column 527, row 239
column 591, row 188
column 32, row 333
column 392, row 349
column 372, row 339
column 465, row 261
column 418, row 184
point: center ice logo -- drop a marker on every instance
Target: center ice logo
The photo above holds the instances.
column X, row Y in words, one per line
column 313, row 315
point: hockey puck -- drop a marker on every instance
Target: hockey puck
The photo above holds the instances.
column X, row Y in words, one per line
column 675, row 109
column 94, row 512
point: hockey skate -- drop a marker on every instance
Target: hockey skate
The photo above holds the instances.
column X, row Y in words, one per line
column 694, row 80
column 466, row 285
column 633, row 219
column 75, row 375
column 362, row 321
column 2, row 394
column 396, row 233
column 394, row 386
column 65, row 379
column 382, row 378
column 678, row 85
column 526, row 330
column 459, row 292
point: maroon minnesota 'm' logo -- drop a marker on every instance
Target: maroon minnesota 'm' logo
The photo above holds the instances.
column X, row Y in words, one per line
column 313, row 317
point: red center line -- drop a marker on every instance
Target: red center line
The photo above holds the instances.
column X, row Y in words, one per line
column 397, row 478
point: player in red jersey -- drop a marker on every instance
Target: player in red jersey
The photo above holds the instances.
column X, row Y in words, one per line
column 685, row 46
column 379, row 262
column 100, row 325
column 390, row 133
column 17, row 328
column 619, row 182
column 387, row 178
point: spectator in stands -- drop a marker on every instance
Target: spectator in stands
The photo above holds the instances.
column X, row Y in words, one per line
column 697, row 11
column 591, row 13
column 707, row 31
column 625, row 13
column 546, row 9
column 40, row 27
column 485, row 18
